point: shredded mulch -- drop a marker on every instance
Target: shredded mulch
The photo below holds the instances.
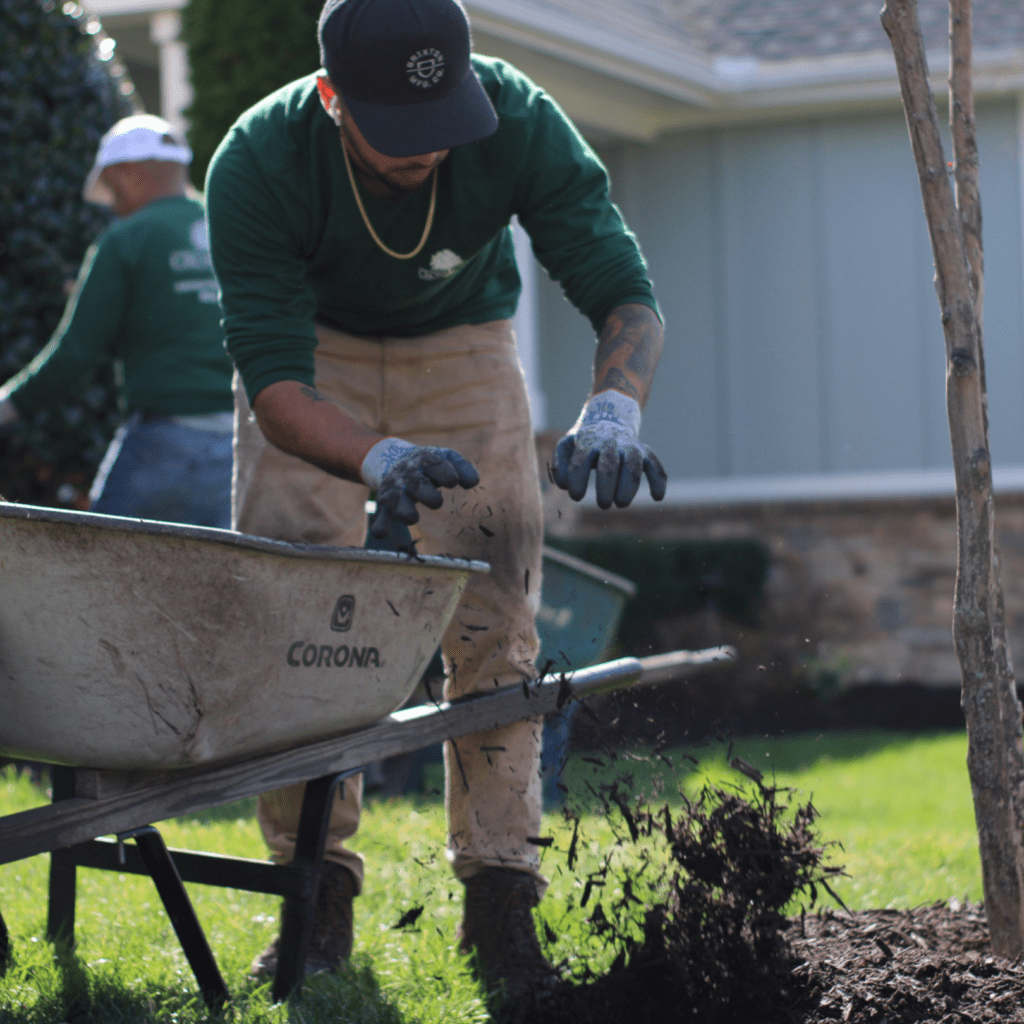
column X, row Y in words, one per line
column 709, row 942
column 930, row 964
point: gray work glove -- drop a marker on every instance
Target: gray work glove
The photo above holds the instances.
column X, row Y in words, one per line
column 606, row 439
column 403, row 474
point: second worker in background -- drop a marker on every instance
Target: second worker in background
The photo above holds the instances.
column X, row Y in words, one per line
column 146, row 299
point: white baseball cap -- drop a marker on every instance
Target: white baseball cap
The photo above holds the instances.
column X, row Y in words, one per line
column 140, row 137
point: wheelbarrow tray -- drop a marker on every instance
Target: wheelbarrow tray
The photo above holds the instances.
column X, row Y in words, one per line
column 131, row 644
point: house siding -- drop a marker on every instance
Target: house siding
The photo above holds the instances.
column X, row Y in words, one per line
column 862, row 587
column 792, row 263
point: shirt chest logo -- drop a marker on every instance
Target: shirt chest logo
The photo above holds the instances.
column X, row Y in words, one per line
column 442, row 264
column 425, row 68
column 195, row 261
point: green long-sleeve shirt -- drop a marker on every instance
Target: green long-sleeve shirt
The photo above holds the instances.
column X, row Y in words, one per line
column 146, row 297
column 290, row 248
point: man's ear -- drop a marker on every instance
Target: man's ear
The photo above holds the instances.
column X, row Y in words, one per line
column 329, row 98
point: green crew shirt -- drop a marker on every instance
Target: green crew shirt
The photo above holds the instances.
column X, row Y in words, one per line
column 145, row 297
column 290, row 247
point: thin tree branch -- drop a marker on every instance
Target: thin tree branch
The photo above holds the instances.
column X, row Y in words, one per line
column 965, row 146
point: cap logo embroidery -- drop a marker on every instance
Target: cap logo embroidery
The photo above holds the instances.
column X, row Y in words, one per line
column 425, row 68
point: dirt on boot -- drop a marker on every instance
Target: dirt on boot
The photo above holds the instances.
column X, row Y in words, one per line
column 498, row 927
column 330, row 944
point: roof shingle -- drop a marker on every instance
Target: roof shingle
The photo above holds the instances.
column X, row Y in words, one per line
column 777, row 30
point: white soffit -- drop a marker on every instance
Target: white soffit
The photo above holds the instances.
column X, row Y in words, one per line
column 605, row 108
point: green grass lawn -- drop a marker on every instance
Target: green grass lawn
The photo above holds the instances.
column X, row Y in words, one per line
column 899, row 805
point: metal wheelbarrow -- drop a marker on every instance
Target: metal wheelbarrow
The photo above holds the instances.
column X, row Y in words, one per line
column 134, row 644
column 164, row 669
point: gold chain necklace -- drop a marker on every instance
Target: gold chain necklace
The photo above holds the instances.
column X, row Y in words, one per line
column 369, row 226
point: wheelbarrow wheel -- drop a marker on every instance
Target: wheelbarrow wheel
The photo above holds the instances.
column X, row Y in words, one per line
column 5, row 946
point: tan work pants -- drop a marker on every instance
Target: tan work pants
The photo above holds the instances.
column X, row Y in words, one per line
column 459, row 388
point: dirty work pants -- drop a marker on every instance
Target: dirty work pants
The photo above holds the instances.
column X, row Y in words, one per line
column 459, row 388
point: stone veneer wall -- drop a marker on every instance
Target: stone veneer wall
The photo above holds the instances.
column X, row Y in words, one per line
column 867, row 583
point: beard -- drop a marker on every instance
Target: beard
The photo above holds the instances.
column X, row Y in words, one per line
column 394, row 184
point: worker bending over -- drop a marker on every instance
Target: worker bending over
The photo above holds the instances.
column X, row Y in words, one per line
column 359, row 223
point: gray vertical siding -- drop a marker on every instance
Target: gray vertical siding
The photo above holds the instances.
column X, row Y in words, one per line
column 793, row 267
column 1004, row 296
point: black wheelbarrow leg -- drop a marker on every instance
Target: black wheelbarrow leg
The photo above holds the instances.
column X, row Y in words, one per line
column 183, row 916
column 60, row 914
column 299, row 910
column 5, row 946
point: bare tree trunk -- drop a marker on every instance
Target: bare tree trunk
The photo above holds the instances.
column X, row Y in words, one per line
column 968, row 201
column 995, row 755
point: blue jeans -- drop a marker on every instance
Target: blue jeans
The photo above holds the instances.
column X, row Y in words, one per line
column 165, row 470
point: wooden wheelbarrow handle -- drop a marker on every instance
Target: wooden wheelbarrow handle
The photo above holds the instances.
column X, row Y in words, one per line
column 107, row 802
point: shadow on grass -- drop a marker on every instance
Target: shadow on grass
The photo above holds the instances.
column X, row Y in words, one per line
column 352, row 995
column 650, row 769
column 53, row 984
column 803, row 751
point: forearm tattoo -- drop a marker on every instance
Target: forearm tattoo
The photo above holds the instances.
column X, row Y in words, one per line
column 628, row 350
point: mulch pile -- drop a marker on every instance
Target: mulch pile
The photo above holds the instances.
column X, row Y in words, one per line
column 707, row 941
column 931, row 964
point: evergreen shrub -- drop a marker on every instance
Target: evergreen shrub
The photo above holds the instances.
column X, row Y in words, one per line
column 60, row 90
column 239, row 53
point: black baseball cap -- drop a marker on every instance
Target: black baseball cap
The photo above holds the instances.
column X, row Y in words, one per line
column 403, row 69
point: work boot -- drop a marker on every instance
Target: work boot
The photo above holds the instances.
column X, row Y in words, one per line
column 497, row 924
column 330, row 945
